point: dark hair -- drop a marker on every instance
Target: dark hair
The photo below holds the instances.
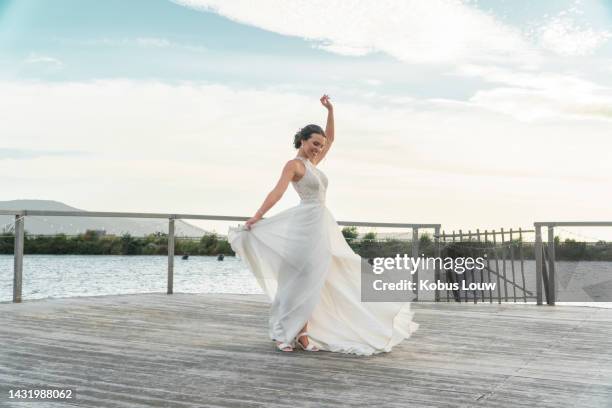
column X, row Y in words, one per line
column 305, row 133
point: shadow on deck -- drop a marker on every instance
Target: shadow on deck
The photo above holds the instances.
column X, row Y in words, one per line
column 194, row 350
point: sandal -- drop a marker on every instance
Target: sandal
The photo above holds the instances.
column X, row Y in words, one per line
column 282, row 346
column 309, row 347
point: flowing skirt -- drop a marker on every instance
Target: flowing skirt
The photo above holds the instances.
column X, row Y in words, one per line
column 311, row 275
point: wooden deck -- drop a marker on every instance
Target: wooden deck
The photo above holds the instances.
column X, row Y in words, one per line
column 187, row 350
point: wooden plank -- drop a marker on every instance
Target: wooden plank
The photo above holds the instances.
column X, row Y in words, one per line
column 194, row 350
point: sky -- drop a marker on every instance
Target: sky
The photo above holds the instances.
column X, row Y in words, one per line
column 472, row 114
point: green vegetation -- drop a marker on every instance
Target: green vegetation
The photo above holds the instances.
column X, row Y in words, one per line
column 350, row 233
column 92, row 243
column 369, row 246
column 572, row 250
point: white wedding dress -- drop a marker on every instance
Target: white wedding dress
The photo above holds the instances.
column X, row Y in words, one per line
column 310, row 274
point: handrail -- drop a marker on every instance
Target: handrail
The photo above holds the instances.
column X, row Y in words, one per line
column 471, row 234
column 541, row 272
column 20, row 233
column 574, row 224
column 109, row 214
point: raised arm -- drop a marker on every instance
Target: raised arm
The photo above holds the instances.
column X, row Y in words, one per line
column 277, row 192
column 329, row 128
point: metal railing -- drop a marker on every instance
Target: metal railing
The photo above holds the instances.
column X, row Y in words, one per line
column 544, row 255
column 19, row 229
column 503, row 252
column 545, row 276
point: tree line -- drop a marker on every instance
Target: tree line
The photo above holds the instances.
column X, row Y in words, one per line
column 94, row 243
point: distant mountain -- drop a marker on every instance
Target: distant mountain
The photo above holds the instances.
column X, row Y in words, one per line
column 77, row 225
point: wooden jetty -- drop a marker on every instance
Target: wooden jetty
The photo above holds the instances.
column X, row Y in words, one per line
column 205, row 350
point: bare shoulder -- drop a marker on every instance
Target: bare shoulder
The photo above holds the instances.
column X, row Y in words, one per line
column 295, row 163
column 296, row 167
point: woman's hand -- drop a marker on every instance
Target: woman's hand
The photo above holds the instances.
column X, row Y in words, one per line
column 326, row 102
column 252, row 221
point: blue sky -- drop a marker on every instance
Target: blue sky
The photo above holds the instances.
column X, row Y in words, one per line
column 171, row 42
column 167, row 41
column 444, row 100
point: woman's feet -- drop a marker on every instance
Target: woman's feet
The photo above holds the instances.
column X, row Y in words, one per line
column 284, row 346
column 302, row 341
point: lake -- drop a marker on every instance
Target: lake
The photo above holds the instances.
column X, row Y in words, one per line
column 55, row 276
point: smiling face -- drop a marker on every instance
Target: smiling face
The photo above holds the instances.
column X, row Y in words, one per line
column 313, row 145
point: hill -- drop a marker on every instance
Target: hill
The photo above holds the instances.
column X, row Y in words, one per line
column 76, row 225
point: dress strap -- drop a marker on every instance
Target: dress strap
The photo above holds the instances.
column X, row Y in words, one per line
column 302, row 159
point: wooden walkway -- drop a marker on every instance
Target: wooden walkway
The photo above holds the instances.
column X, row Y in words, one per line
column 187, row 350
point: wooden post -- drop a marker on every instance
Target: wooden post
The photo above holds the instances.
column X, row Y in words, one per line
column 512, row 267
column 503, row 249
column 551, row 266
column 18, row 261
column 471, row 272
column 545, row 284
column 171, row 256
column 437, row 270
column 499, row 296
column 462, row 277
column 522, row 265
column 488, row 266
column 482, row 293
column 444, row 273
column 538, row 256
column 415, row 255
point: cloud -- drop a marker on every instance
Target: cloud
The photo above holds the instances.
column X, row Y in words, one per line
column 153, row 42
column 413, row 31
column 43, row 59
column 353, row 51
column 527, row 79
column 208, row 148
column 565, row 36
column 140, row 118
column 373, row 82
column 143, row 42
column 531, row 105
column 25, row 154
column 533, row 96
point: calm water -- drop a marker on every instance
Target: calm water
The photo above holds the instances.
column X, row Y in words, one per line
column 53, row 276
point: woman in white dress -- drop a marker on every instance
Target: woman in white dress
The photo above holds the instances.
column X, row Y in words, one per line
column 306, row 268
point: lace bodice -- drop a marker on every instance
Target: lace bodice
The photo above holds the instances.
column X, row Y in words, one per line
column 313, row 185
